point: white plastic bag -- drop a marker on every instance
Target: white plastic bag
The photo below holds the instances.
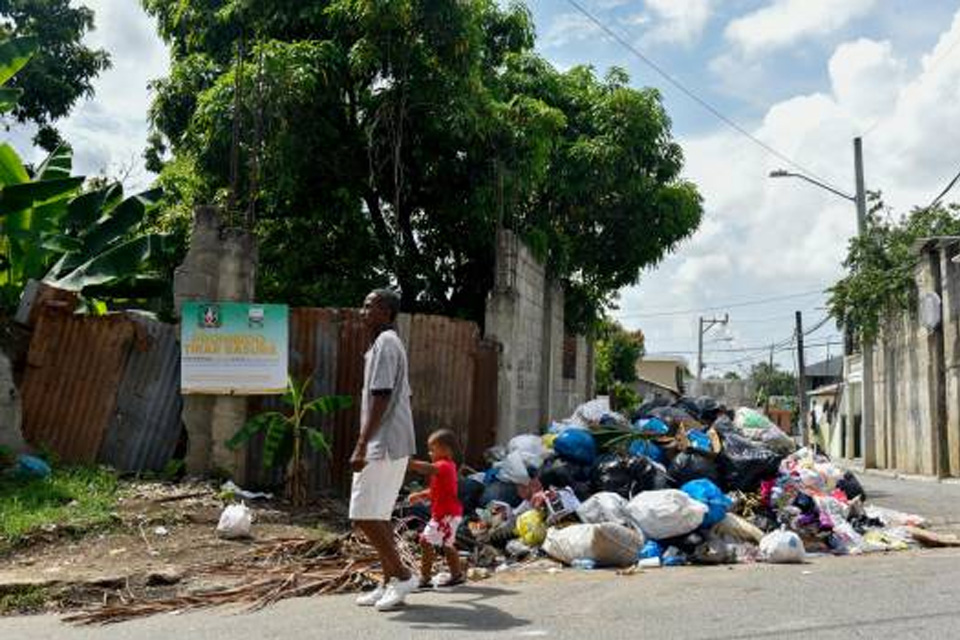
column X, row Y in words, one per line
column 667, row 513
column 605, row 506
column 530, row 448
column 607, row 544
column 513, row 469
column 235, row 522
column 782, row 547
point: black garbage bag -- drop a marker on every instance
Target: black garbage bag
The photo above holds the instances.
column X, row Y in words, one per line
column 690, row 465
column 629, row 475
column 689, row 405
column 470, row 492
column 559, row 473
column 501, row 492
column 723, row 424
column 645, row 410
column 708, row 409
column 744, row 464
column 851, row 486
column 686, row 543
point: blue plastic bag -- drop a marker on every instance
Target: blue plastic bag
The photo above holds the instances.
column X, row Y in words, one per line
column 699, row 441
column 651, row 549
column 648, row 449
column 651, row 427
column 32, row 467
column 717, row 502
column 576, row 445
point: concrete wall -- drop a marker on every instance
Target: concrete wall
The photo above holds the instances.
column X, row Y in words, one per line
column 525, row 315
column 732, row 393
column 917, row 375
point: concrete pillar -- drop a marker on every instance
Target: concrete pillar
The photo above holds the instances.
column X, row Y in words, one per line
column 220, row 265
column 11, row 414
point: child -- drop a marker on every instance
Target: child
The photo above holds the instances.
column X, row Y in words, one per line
column 446, row 512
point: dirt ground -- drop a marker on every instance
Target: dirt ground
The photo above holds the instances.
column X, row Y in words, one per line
column 164, row 532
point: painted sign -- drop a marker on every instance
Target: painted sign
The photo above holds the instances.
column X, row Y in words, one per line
column 234, row 348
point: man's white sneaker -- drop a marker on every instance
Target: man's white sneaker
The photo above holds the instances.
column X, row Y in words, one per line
column 370, row 598
column 397, row 592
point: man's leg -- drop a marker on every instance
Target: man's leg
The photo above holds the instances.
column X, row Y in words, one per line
column 380, row 535
column 453, row 561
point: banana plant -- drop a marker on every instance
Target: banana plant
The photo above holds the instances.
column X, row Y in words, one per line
column 14, row 54
column 286, row 432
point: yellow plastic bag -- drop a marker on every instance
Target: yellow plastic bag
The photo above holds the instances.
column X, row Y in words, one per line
column 532, row 528
column 548, row 440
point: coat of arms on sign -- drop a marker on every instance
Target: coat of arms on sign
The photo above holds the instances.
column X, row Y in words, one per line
column 210, row 316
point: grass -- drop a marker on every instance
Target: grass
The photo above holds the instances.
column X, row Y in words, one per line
column 23, row 600
column 77, row 499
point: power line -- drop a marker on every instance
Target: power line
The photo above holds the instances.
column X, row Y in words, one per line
column 690, row 94
column 946, row 190
column 734, row 305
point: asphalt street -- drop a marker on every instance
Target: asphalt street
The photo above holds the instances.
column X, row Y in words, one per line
column 900, row 595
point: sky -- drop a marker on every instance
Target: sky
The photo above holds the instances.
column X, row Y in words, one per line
column 800, row 77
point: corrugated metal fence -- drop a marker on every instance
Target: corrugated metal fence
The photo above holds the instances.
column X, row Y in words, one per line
column 453, row 375
column 103, row 389
column 107, row 389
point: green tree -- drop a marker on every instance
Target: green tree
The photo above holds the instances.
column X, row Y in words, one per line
column 389, row 140
column 63, row 69
column 617, row 353
column 881, row 264
column 731, row 375
column 772, row 381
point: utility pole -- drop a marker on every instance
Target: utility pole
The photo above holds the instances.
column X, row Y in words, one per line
column 705, row 325
column 867, row 432
column 801, row 383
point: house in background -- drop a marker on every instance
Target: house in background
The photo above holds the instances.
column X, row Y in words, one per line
column 824, row 383
column 661, row 376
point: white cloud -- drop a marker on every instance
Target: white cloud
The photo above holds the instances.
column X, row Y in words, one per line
column 109, row 131
column 568, row 28
column 678, row 21
column 785, row 22
column 764, row 238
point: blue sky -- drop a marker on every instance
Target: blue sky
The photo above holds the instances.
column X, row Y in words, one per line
column 803, row 76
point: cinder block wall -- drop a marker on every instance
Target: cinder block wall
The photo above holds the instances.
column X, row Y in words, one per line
column 525, row 315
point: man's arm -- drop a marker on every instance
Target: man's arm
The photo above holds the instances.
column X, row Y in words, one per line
column 381, row 400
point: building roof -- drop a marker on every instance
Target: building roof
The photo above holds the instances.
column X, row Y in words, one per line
column 832, row 368
column 829, row 390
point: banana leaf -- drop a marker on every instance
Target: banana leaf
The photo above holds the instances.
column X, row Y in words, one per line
column 118, row 262
column 12, row 170
column 14, row 54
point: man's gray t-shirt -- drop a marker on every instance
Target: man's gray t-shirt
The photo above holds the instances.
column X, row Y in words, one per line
column 385, row 369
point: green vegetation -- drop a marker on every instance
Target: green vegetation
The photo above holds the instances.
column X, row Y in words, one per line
column 772, row 381
column 881, row 266
column 285, row 433
column 388, row 141
column 78, row 499
column 618, row 351
column 27, row 599
column 90, row 241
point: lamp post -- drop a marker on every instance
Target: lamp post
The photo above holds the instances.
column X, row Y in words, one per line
column 867, row 432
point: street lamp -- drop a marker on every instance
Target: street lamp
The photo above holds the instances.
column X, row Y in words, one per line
column 867, row 433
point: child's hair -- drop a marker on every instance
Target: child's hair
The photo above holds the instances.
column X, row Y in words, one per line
column 447, row 438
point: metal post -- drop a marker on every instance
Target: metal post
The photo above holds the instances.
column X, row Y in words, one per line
column 801, row 383
column 868, row 445
column 700, row 350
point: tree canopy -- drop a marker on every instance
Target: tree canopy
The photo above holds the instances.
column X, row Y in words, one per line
column 387, row 141
column 881, row 264
column 772, row 381
column 63, row 69
column 618, row 351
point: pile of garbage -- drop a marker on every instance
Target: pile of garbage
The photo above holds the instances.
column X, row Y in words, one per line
column 685, row 483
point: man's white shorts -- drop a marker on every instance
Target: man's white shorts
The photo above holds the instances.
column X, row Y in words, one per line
column 375, row 489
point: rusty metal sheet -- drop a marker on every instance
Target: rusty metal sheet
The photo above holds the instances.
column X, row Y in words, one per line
column 74, row 368
column 353, row 341
column 146, row 425
column 441, row 358
column 482, row 432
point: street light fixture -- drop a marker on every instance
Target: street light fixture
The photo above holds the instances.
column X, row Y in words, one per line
column 867, row 434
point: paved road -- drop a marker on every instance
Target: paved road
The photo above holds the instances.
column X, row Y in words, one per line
column 906, row 595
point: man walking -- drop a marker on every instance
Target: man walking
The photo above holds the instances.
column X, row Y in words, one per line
column 385, row 445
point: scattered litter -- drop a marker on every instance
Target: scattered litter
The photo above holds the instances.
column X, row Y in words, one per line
column 235, row 522
column 229, row 488
column 161, row 532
